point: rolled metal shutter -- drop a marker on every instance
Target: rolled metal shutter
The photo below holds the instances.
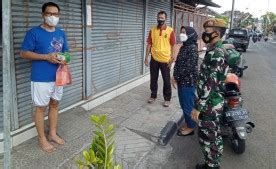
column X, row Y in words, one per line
column 178, row 23
column 27, row 14
column 117, row 42
column 1, row 91
column 186, row 19
column 154, row 6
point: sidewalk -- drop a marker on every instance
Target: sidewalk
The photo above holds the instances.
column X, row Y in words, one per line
column 138, row 128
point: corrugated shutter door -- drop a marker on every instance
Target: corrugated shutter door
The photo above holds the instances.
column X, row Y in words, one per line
column 154, row 6
column 27, row 14
column 179, row 23
column 186, row 19
column 1, row 91
column 116, row 39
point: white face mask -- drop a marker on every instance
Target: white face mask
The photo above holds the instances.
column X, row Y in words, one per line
column 183, row 37
column 52, row 20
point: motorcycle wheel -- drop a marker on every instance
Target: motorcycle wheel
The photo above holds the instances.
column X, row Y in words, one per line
column 238, row 145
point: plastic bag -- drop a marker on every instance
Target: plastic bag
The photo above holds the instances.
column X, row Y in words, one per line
column 63, row 76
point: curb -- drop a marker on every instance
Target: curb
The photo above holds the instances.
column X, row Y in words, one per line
column 169, row 130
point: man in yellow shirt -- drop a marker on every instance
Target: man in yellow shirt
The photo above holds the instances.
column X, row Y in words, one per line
column 161, row 41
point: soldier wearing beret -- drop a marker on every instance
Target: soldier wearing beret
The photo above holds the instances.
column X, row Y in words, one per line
column 209, row 105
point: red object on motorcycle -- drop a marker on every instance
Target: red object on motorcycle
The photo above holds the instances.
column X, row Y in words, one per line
column 233, row 102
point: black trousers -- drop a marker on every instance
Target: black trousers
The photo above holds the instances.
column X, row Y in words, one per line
column 154, row 74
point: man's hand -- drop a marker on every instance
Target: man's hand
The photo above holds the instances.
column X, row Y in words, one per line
column 174, row 83
column 52, row 58
column 146, row 62
column 195, row 114
column 63, row 62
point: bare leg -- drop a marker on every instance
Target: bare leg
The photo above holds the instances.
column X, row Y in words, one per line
column 53, row 119
column 39, row 124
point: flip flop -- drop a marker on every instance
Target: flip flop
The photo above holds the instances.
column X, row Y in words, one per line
column 179, row 133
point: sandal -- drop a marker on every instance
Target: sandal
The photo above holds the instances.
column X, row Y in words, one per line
column 166, row 103
column 151, row 100
column 184, row 127
column 180, row 133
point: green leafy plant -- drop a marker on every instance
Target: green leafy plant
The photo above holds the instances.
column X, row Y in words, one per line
column 100, row 154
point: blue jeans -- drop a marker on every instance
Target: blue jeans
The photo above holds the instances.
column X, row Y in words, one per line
column 186, row 97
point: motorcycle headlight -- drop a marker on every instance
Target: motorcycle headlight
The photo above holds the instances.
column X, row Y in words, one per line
column 241, row 131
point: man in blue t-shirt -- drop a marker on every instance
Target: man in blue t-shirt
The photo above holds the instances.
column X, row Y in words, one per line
column 41, row 45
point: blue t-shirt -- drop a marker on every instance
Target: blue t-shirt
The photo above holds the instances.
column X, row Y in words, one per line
column 40, row 41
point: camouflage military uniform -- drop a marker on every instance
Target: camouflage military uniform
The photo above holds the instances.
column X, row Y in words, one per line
column 212, row 74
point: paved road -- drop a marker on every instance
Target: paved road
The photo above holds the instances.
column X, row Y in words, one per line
column 259, row 93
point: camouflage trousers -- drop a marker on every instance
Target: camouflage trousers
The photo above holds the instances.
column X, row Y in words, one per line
column 209, row 133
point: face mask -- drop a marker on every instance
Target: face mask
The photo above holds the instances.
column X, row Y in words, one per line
column 183, row 37
column 208, row 37
column 52, row 20
column 160, row 22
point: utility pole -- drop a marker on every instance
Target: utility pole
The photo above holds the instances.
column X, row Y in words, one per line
column 232, row 14
column 267, row 18
column 6, row 28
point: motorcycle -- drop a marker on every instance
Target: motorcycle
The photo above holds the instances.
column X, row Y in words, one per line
column 265, row 38
column 235, row 59
column 235, row 120
column 254, row 39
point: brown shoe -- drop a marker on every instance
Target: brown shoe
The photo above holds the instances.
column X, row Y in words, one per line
column 151, row 100
column 166, row 103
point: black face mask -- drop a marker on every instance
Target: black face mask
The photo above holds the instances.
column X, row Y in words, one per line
column 208, row 37
column 160, row 22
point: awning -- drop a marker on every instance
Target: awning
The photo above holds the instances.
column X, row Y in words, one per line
column 208, row 3
column 200, row 2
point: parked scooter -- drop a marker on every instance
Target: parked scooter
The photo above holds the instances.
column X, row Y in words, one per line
column 235, row 59
column 265, row 38
column 236, row 124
